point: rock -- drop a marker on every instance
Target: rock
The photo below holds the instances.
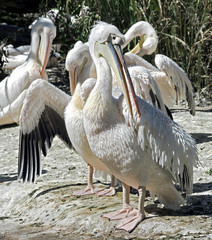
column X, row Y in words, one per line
column 47, row 209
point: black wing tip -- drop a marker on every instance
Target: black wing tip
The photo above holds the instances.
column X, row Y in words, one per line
column 28, row 157
column 39, row 140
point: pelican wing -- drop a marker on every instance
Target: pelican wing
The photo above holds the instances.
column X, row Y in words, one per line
column 41, row 119
column 146, row 87
column 13, row 61
column 9, row 50
column 178, row 78
column 166, row 141
column 12, row 86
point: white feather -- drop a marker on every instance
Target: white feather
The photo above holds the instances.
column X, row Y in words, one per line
column 171, row 79
column 39, row 94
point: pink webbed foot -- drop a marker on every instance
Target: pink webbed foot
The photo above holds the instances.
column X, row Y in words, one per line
column 119, row 214
column 87, row 191
column 131, row 221
column 107, row 192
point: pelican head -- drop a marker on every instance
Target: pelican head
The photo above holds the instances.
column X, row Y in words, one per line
column 42, row 34
column 105, row 41
column 76, row 59
column 148, row 38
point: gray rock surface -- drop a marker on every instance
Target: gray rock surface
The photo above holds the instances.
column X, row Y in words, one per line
column 47, row 209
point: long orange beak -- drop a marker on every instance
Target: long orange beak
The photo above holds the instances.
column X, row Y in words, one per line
column 44, row 52
column 112, row 53
column 139, row 46
column 73, row 78
column 129, row 80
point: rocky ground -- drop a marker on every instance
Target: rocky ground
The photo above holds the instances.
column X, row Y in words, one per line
column 47, row 209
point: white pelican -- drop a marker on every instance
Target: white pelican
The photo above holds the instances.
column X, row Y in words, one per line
column 13, row 88
column 79, row 65
column 14, row 57
column 148, row 38
column 144, row 149
column 11, row 50
column 170, row 77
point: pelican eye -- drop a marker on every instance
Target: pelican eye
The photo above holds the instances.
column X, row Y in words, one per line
column 116, row 39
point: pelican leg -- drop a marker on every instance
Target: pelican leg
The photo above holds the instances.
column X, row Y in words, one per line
column 111, row 191
column 90, row 189
column 126, row 209
column 135, row 217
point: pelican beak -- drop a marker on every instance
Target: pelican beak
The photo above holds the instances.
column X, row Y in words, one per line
column 113, row 54
column 74, row 73
column 146, row 45
column 138, row 49
column 73, row 78
column 127, row 75
column 44, row 50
